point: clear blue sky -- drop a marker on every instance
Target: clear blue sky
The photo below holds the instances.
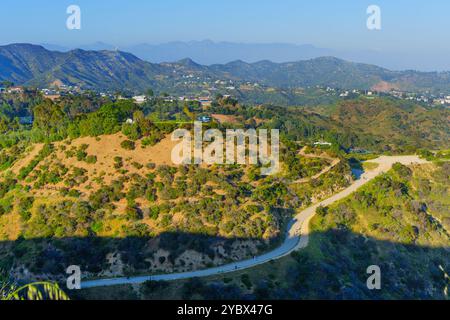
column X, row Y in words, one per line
column 407, row 24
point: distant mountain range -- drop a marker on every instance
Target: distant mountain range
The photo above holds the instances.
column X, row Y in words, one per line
column 209, row 52
column 117, row 70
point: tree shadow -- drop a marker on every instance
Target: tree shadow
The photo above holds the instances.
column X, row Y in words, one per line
column 48, row 258
column 333, row 266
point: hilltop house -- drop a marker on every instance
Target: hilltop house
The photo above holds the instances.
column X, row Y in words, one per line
column 323, row 143
column 53, row 97
column 169, row 99
column 140, row 99
column 15, row 90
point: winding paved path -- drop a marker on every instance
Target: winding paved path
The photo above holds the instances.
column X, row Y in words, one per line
column 297, row 236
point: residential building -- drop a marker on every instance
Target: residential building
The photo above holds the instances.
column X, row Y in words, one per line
column 140, row 99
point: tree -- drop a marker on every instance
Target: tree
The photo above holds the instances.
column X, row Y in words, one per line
column 4, row 125
column 107, row 119
column 49, row 117
column 144, row 124
column 190, row 114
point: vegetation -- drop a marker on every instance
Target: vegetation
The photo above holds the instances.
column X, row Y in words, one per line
column 399, row 222
column 88, row 70
column 32, row 291
column 128, row 145
column 79, row 186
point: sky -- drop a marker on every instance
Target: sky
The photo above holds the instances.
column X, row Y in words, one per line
column 408, row 26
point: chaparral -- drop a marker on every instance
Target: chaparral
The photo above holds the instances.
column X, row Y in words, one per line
column 235, row 146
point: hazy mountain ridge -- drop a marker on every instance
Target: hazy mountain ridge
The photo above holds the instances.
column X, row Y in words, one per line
column 116, row 70
column 209, row 52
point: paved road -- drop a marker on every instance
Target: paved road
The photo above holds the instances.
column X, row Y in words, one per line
column 297, row 236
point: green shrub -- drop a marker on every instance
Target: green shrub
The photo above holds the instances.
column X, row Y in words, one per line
column 97, row 226
column 131, row 131
column 26, row 203
column 118, row 162
column 25, row 215
column 74, row 193
column 81, row 154
column 137, row 165
column 151, row 140
column 128, row 145
column 154, row 213
column 132, row 213
column 91, row 159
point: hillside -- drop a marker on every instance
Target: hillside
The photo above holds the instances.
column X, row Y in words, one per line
column 136, row 212
column 395, row 123
column 115, row 70
column 408, row 210
column 377, row 125
column 399, row 222
column 84, row 186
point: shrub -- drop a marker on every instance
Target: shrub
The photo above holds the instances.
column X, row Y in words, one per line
column 25, row 215
column 402, row 170
column 74, row 193
column 131, row 131
column 91, row 159
column 118, row 162
column 132, row 213
column 246, row 281
column 97, row 226
column 128, row 145
column 81, row 155
column 154, row 213
column 26, row 203
column 151, row 140
column 137, row 165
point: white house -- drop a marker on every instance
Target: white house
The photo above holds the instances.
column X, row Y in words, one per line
column 322, row 143
column 140, row 99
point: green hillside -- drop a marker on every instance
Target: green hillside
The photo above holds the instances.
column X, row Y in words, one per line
column 399, row 222
column 115, row 70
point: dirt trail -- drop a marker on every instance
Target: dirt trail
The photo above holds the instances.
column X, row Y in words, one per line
column 334, row 163
column 23, row 162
